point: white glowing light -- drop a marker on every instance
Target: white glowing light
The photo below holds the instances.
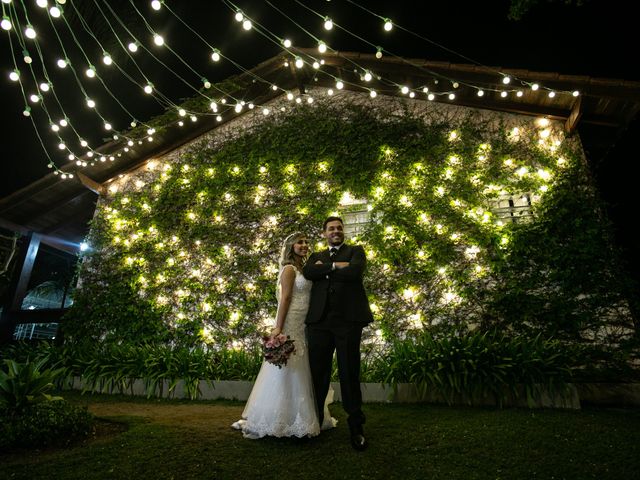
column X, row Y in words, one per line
column 148, row 89
column 6, row 23
column 535, row 87
column 215, row 55
column 503, row 94
column 156, row 4
column 373, row 94
column 40, row 3
column 14, row 76
column 404, row 89
column 299, row 62
column 30, row 32
column 34, row 98
column 247, row 25
column 106, row 59
column 287, row 43
column 388, row 25
column 431, row 96
column 55, row 12
column 339, row 85
column 367, row 77
column 322, row 47
column 480, row 93
column 452, row 96
column 61, row 63
column 239, row 16
column 90, row 72
column 328, row 23
column 575, row 93
column 158, row 40
column 506, row 80
column 133, row 47
column 552, row 94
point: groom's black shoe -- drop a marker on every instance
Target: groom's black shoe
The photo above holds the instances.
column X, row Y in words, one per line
column 358, row 442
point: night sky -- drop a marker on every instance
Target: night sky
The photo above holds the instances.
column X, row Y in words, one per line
column 597, row 39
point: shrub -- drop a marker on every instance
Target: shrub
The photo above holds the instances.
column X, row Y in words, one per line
column 44, row 424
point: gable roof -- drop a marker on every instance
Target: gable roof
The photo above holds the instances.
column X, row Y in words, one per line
column 61, row 209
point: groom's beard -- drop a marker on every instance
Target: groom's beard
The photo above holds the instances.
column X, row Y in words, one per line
column 336, row 239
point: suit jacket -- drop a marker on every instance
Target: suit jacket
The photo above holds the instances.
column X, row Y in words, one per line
column 340, row 290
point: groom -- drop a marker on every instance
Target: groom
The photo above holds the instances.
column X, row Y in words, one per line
column 338, row 310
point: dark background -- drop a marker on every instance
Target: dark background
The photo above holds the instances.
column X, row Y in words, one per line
column 597, row 38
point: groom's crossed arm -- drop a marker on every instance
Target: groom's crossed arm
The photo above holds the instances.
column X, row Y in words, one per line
column 314, row 269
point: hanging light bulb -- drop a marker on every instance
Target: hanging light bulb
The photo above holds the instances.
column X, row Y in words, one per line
column 206, row 83
column 30, row 32
column 299, row 62
column 90, row 103
column 42, row 3
column 64, row 122
column 519, row 93
column 106, row 59
column 576, row 93
column 506, row 79
column 552, row 94
column 239, row 16
column 430, row 97
column 107, row 126
column 55, row 12
column 15, row 75
column 156, row 4
column 373, row 94
column 6, row 23
column 452, row 96
column 61, row 63
column 328, row 23
column 26, row 57
column 287, row 43
column 34, row 98
column 339, row 85
column 44, row 87
column 247, row 25
column 90, row 72
column 158, row 40
column 215, row 55
column 148, row 88
column 404, row 89
column 133, row 47
column 480, row 93
column 388, row 24
column 55, row 127
column 27, row 111
column 379, row 52
column 503, row 94
column 367, row 76
column 316, row 65
column 83, row 143
column 322, row 47
column 535, row 87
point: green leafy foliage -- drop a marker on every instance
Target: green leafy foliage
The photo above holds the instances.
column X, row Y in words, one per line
column 24, row 384
column 44, row 424
column 184, row 259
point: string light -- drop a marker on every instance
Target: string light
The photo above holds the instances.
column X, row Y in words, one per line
column 6, row 23
column 156, row 4
column 30, row 32
column 328, row 23
column 388, row 25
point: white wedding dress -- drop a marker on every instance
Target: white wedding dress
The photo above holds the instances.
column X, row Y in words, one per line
column 282, row 402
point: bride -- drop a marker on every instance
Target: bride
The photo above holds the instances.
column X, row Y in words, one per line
column 282, row 401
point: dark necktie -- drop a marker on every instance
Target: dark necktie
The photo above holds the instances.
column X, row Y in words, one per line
column 332, row 252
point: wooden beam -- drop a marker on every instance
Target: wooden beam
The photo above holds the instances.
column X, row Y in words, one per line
column 574, row 117
column 91, row 184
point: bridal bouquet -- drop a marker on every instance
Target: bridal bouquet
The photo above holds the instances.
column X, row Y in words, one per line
column 278, row 349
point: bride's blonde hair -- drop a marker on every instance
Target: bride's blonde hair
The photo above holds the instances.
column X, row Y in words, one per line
column 287, row 256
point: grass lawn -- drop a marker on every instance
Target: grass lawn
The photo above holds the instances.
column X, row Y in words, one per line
column 167, row 439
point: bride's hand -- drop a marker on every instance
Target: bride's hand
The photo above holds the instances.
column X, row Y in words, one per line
column 275, row 332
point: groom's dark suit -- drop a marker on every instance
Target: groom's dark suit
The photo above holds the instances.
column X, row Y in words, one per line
column 338, row 310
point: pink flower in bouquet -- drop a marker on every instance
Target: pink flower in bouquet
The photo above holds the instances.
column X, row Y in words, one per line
column 278, row 349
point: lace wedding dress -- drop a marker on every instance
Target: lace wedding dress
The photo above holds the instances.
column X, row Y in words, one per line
column 282, row 402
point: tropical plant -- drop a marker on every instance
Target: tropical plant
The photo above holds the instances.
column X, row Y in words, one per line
column 24, row 384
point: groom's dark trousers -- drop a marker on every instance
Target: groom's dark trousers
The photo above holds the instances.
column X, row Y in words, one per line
column 338, row 310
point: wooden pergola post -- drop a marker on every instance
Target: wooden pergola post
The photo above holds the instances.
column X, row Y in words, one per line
column 18, row 286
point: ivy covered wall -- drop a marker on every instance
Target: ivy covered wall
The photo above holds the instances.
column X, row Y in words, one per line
column 184, row 250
